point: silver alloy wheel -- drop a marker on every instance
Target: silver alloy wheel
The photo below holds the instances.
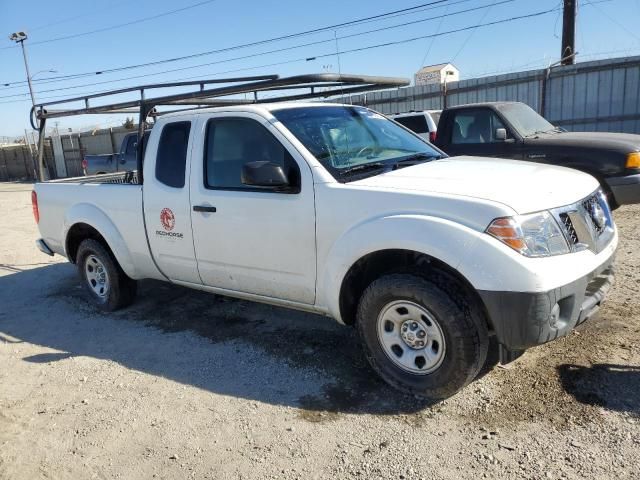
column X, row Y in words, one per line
column 96, row 275
column 411, row 337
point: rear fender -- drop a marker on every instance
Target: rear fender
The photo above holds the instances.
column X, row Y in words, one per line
column 98, row 219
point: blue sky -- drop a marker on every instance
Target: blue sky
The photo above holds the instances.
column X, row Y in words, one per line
column 605, row 29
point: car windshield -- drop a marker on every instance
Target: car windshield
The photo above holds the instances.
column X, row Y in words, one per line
column 347, row 139
column 525, row 119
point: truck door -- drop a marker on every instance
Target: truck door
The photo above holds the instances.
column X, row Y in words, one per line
column 475, row 131
column 167, row 209
column 127, row 157
column 256, row 240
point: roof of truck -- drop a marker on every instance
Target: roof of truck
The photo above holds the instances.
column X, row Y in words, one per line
column 255, row 107
column 480, row 104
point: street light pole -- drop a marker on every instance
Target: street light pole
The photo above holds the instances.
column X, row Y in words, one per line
column 20, row 37
column 26, row 67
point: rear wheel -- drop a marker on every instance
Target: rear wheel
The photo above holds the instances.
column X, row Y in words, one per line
column 422, row 336
column 102, row 277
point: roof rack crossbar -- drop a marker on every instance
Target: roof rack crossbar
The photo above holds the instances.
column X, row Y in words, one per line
column 320, row 85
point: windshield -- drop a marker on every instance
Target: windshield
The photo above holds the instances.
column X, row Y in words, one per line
column 347, row 139
column 525, row 119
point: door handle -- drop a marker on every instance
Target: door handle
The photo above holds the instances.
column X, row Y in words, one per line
column 204, row 208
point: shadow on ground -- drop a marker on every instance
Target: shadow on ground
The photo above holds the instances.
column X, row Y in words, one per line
column 252, row 351
column 614, row 387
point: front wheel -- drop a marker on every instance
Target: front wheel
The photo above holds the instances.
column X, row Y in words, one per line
column 102, row 277
column 422, row 336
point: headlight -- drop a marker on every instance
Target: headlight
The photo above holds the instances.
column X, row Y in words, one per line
column 535, row 235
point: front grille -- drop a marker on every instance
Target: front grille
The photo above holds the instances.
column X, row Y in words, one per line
column 588, row 205
column 586, row 224
column 572, row 236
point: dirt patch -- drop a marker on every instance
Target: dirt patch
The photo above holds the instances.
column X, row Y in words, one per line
column 189, row 385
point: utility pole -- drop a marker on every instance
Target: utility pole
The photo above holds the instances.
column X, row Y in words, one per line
column 568, row 53
column 20, row 37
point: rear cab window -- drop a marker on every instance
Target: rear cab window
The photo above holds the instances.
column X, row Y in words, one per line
column 171, row 158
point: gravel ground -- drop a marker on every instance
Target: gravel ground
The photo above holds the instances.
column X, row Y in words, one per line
column 190, row 385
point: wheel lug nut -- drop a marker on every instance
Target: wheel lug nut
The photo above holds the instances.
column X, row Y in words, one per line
column 422, row 334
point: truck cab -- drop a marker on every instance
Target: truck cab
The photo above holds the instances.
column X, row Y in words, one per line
column 514, row 130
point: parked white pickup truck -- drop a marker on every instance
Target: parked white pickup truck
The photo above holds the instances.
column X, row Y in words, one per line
column 337, row 210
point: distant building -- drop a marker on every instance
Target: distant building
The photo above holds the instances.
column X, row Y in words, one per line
column 436, row 74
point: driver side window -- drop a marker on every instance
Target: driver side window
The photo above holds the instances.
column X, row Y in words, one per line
column 475, row 126
column 232, row 142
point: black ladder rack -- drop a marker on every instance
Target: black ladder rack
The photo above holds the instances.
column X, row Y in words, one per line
column 299, row 87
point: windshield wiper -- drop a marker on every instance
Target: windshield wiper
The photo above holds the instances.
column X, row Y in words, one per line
column 415, row 159
column 363, row 167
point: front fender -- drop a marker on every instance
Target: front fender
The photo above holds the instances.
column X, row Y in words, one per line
column 441, row 239
column 98, row 219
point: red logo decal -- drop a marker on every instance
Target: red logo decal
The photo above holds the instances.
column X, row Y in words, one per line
column 168, row 219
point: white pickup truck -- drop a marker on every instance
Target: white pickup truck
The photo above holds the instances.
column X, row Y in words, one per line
column 337, row 210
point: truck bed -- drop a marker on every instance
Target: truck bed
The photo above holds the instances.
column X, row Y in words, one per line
column 124, row 178
column 111, row 203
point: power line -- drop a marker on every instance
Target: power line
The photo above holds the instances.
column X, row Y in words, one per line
column 464, row 44
column 601, row 10
column 426, row 54
column 280, row 50
column 409, row 40
column 111, row 6
column 245, row 45
column 114, row 27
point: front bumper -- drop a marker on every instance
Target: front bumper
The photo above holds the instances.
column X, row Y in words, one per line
column 522, row 320
column 626, row 190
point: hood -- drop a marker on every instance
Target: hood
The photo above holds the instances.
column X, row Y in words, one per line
column 619, row 142
column 524, row 186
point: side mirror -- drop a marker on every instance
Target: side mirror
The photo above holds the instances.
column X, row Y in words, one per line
column 501, row 134
column 264, row 174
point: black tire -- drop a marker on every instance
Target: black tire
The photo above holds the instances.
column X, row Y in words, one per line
column 463, row 327
column 493, row 358
column 121, row 290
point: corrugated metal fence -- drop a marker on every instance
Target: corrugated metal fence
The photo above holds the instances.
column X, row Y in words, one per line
column 16, row 162
column 592, row 96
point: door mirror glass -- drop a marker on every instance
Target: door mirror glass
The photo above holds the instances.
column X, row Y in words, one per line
column 501, row 134
column 264, row 174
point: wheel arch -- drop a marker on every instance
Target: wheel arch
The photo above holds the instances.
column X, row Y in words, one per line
column 87, row 221
column 77, row 234
column 391, row 261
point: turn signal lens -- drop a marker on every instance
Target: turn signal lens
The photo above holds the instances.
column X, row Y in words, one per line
column 535, row 235
column 507, row 231
column 34, row 205
column 633, row 160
